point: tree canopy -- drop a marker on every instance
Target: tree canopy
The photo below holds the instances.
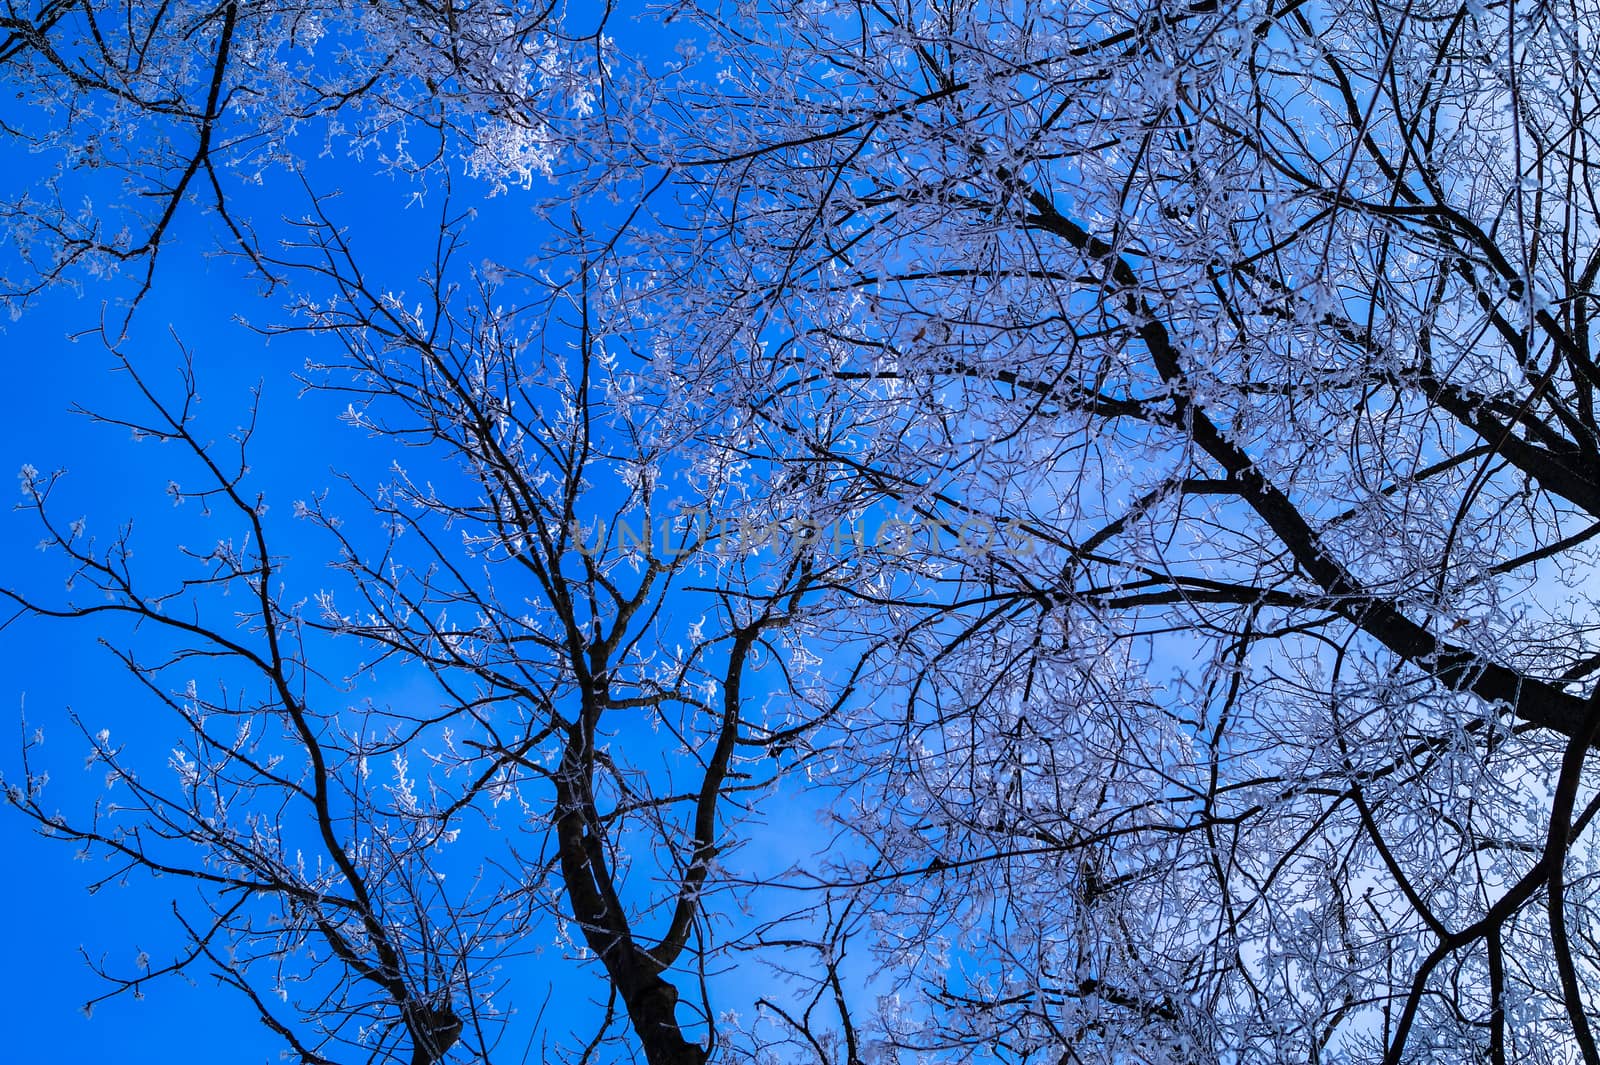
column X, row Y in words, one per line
column 1019, row 532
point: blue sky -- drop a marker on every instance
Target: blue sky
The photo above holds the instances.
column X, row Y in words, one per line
column 53, row 668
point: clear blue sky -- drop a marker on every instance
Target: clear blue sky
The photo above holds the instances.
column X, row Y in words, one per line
column 54, row 667
column 51, row 668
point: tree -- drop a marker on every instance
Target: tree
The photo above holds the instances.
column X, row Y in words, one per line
column 181, row 103
column 1182, row 422
column 1251, row 345
column 529, row 560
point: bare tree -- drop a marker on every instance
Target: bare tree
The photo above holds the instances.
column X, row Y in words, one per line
column 1234, row 361
column 1181, row 419
column 143, row 108
column 553, row 553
